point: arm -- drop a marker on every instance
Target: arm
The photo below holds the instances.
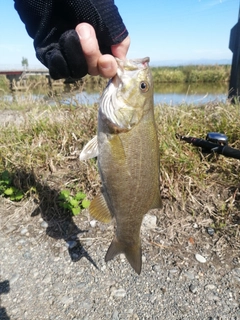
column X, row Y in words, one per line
column 67, row 52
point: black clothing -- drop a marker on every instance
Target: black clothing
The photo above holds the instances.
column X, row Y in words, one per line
column 51, row 24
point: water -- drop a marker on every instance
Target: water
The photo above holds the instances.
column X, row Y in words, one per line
column 171, row 94
column 176, row 94
column 176, row 99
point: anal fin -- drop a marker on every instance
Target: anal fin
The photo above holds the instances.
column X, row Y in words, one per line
column 99, row 209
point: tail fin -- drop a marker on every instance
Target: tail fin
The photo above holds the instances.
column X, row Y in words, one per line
column 133, row 253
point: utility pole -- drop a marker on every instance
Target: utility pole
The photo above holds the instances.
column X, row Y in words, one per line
column 234, row 46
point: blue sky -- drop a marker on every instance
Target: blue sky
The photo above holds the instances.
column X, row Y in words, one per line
column 168, row 31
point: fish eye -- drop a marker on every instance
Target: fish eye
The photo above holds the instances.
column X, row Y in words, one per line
column 144, row 86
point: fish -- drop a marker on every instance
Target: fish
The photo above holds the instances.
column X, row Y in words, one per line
column 127, row 151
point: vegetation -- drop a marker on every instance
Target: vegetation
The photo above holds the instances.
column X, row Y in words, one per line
column 7, row 188
column 191, row 74
column 25, row 63
column 30, row 152
column 4, row 84
column 41, row 156
column 162, row 75
column 74, row 204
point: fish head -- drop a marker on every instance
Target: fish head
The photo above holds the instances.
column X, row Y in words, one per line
column 128, row 95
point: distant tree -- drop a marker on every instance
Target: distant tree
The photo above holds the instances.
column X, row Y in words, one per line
column 25, row 63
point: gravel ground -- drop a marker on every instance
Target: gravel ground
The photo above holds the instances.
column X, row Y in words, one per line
column 54, row 269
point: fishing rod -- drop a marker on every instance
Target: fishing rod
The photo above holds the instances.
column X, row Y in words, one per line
column 215, row 143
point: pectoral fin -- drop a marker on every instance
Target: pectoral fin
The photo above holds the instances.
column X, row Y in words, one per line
column 99, row 209
column 132, row 252
column 90, row 150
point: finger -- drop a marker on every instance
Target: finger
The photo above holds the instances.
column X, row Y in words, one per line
column 90, row 46
column 120, row 50
column 107, row 66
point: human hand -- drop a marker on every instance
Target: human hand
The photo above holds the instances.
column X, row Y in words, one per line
column 69, row 51
column 98, row 63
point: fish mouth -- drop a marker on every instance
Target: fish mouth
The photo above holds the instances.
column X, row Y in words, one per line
column 133, row 64
column 136, row 64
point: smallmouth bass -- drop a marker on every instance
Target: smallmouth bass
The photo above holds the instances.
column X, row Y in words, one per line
column 128, row 157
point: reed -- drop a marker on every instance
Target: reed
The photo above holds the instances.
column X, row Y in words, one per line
column 4, row 84
column 192, row 74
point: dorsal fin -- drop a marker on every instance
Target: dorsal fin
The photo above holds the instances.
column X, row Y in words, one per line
column 90, row 150
column 99, row 209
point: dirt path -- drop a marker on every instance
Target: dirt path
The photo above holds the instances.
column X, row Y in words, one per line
column 54, row 269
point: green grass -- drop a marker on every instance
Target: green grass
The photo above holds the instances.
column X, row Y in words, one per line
column 192, row 74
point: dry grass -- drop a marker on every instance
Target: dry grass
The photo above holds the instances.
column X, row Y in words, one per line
column 43, row 151
column 181, row 161
column 201, row 185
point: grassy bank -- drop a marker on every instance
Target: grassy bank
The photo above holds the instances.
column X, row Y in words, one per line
column 43, row 151
column 214, row 74
column 192, row 74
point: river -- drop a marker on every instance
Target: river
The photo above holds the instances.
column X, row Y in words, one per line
column 171, row 94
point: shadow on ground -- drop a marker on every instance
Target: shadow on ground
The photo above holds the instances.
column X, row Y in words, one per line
column 4, row 289
column 60, row 223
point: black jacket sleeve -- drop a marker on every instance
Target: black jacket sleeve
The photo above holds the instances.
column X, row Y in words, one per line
column 51, row 23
